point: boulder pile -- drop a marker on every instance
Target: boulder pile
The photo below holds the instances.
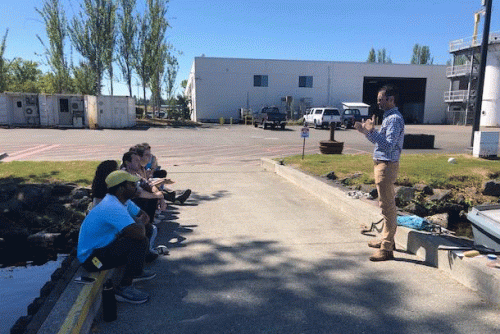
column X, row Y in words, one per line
column 38, row 221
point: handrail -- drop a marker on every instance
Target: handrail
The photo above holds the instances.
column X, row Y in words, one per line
column 458, row 95
column 461, row 70
column 468, row 42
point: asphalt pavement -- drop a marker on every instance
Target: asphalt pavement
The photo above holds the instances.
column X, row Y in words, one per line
column 264, row 256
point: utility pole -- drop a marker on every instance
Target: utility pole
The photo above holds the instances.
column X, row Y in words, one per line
column 482, row 69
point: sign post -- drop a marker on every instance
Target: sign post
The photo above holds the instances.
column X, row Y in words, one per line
column 304, row 133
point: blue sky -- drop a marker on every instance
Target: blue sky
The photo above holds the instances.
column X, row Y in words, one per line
column 338, row 30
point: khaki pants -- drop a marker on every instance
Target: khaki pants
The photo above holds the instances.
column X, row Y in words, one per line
column 386, row 174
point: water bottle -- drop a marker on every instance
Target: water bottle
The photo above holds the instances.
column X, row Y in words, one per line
column 108, row 302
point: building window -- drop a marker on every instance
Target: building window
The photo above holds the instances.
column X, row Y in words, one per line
column 306, row 81
column 260, row 80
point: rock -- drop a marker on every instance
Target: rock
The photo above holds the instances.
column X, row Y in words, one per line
column 64, row 189
column 34, row 196
column 423, row 188
column 43, row 239
column 347, row 180
column 371, row 190
column 439, row 195
column 404, row 195
column 10, row 206
column 331, row 176
column 7, row 191
column 416, row 209
column 491, row 188
column 79, row 193
column 440, row 219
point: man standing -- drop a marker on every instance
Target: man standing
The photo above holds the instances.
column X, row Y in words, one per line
column 109, row 237
column 388, row 145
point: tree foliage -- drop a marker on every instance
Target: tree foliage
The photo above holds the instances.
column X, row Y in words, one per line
column 56, row 28
column 379, row 56
column 126, row 40
column 382, row 57
column 152, row 50
column 371, row 56
column 24, row 76
column 3, row 64
column 89, row 32
column 421, row 55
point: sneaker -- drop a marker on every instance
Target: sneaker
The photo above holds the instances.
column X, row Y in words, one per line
column 130, row 294
column 145, row 276
column 169, row 196
column 185, row 195
column 382, row 255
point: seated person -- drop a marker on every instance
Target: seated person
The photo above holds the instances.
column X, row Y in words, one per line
column 110, row 238
column 152, row 165
column 148, row 197
column 99, row 190
column 147, row 159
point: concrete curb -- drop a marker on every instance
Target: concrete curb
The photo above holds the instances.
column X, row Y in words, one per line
column 471, row 272
column 77, row 306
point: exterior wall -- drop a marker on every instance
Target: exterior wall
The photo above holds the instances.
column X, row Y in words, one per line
column 102, row 111
column 219, row 87
column 4, row 110
column 115, row 112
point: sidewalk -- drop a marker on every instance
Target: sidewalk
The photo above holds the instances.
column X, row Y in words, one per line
column 267, row 256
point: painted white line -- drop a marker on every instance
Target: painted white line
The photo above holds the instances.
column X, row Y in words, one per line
column 33, row 151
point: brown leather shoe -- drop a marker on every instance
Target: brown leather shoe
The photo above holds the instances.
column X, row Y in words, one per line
column 374, row 243
column 382, row 255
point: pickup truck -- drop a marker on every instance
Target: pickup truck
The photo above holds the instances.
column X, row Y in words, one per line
column 351, row 116
column 322, row 117
column 269, row 116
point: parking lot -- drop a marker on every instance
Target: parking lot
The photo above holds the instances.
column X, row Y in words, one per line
column 210, row 144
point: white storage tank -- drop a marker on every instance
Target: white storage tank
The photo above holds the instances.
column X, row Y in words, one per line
column 490, row 110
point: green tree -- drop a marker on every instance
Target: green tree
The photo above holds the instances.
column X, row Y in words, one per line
column 382, row 57
column 56, row 28
column 371, row 56
column 89, row 32
column 84, row 79
column 24, row 76
column 3, row 63
column 421, row 55
column 109, row 50
column 172, row 69
column 152, row 50
column 126, row 40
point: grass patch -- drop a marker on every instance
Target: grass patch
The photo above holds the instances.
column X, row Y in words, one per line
column 431, row 169
column 79, row 172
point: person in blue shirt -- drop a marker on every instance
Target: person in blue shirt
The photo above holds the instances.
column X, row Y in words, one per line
column 109, row 237
column 388, row 142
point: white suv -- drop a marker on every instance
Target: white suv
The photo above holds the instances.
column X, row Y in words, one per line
column 322, row 117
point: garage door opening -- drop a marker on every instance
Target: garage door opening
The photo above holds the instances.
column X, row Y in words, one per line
column 411, row 96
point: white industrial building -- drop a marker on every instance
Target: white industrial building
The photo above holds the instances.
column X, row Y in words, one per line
column 222, row 87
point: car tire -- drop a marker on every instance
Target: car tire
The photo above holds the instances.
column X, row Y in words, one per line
column 282, row 126
column 264, row 125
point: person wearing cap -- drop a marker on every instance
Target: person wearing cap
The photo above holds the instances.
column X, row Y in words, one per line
column 109, row 237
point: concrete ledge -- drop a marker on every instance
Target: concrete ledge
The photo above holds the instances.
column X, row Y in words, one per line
column 471, row 272
column 356, row 210
column 77, row 306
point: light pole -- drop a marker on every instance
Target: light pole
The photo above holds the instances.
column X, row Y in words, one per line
column 482, row 69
